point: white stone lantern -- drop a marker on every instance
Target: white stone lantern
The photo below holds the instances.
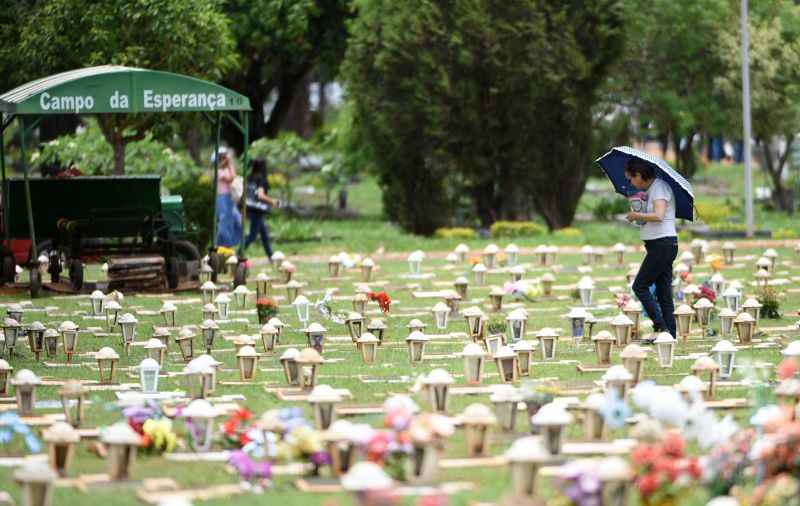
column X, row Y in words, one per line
column 15, row 312
column 551, row 419
column 210, row 311
column 69, row 339
column 162, row 335
column 745, row 326
column 496, row 298
column 308, row 363
column 586, row 290
column 223, row 302
column 247, row 358
column 792, row 350
column 269, row 336
column 489, row 256
column 622, row 327
column 474, row 318
column 168, row 310
column 367, row 266
column 240, row 294
column 185, row 342
column 61, row 439
column 474, row 361
column 36, row 480
column 683, row 319
column 11, row 330
column 618, row 379
column 505, row 399
column 524, row 351
column 148, row 375
column 541, row 253
column 726, row 317
column 588, row 254
column 460, row 284
column 703, row 307
column 73, row 400
column 323, row 400
column 516, row 273
column 243, row 340
column 512, row 254
column 278, row 324
column 199, row 377
column 334, row 266
column 717, row 283
column 416, row 342
column 36, row 338
column 451, row 258
column 762, row 278
column 548, row 339
column 377, row 328
column 202, row 415
column 301, row 305
column 687, row 258
column 477, row 420
column 728, row 252
column 479, row 274
column 441, row 313
column 5, row 372
column 691, row 293
column 724, row 353
column 262, row 284
column 127, row 323
column 209, row 329
column 107, row 360
column 368, row 344
column 437, row 384
column 231, row 263
column 619, row 252
column 707, row 365
column 763, row 264
column 633, row 357
column 506, row 361
column 156, row 350
column 25, row 383
column 315, row 335
column 462, row 250
column 290, row 370
column 205, row 273
column 96, row 298
column 546, row 283
column 415, row 262
column 208, row 290
column 594, row 427
column 753, row 307
column 525, row 457
column 577, row 319
column 360, row 303
column 366, row 480
column 277, row 259
column 552, row 254
column 453, row 300
column 355, row 325
column 665, row 349
column 517, row 321
column 633, row 310
column 603, row 342
column 696, row 247
column 732, row 298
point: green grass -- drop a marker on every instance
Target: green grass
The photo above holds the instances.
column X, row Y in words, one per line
column 392, row 362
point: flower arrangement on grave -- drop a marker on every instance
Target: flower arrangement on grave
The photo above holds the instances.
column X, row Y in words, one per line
column 236, row 428
column 725, row 465
column 787, row 368
column 580, row 485
column 707, row 292
column 475, row 260
column 522, row 290
column 776, row 457
column 12, row 425
column 383, row 300
column 686, row 277
column 535, row 395
column 716, row 262
column 770, row 302
column 622, row 299
column 267, row 308
column 497, row 325
column 663, row 470
column 291, row 438
column 153, row 427
column 250, row 470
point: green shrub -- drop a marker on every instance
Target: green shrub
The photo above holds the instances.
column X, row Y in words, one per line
column 606, row 208
column 569, row 233
column 456, row 233
column 784, row 233
column 496, row 325
column 770, row 303
column 516, row 229
column 713, row 213
column 198, row 205
column 293, row 230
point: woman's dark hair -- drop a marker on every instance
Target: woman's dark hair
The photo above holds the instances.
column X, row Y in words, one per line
column 640, row 167
column 258, row 167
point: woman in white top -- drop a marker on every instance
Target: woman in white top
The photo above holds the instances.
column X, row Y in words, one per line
column 661, row 242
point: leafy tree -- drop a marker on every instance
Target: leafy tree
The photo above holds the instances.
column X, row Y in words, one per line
column 774, row 87
column 186, row 37
column 280, row 42
column 492, row 100
column 669, row 67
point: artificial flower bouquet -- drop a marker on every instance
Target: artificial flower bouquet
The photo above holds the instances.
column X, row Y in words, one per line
column 267, row 308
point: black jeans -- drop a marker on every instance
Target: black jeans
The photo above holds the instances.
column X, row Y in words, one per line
column 258, row 227
column 657, row 269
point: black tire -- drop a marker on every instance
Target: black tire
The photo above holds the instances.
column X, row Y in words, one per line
column 173, row 272
column 55, row 268
column 76, row 274
column 186, row 250
column 9, row 268
column 36, row 283
column 214, row 263
column 240, row 275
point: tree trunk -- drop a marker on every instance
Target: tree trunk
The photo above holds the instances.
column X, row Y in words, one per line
column 780, row 194
column 287, row 88
column 298, row 119
column 119, row 156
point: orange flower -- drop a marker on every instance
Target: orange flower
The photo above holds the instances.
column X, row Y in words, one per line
column 787, row 368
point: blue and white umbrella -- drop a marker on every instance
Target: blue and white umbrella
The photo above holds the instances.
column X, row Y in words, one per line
column 614, row 162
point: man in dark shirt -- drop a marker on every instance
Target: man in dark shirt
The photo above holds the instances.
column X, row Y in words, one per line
column 258, row 204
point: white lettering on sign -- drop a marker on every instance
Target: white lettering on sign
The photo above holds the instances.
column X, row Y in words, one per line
column 165, row 101
column 69, row 103
column 118, row 101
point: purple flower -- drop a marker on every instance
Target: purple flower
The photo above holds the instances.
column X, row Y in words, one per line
column 248, row 468
column 319, row 458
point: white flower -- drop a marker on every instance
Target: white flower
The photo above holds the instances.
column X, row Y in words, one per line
column 668, row 406
column 723, row 431
column 643, row 394
column 698, row 424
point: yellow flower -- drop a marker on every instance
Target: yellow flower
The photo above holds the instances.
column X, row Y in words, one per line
column 307, row 441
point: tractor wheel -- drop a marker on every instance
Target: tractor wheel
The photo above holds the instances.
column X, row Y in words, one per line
column 173, row 272
column 76, row 274
column 9, row 269
column 240, row 275
column 36, row 283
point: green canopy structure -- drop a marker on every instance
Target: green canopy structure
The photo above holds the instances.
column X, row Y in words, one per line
column 111, row 89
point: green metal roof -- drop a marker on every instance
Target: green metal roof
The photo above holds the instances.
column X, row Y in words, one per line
column 117, row 89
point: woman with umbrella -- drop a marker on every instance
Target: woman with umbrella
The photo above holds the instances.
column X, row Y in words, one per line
column 660, row 238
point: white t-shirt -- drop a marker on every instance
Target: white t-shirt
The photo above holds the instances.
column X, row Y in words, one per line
column 659, row 190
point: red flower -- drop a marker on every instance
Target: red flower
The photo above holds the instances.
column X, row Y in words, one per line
column 668, row 467
column 647, row 484
column 787, row 368
column 266, row 303
column 708, row 293
column 674, row 444
column 644, row 455
column 694, row 469
column 383, row 299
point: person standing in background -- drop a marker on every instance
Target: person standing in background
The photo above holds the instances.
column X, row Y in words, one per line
column 259, row 204
column 229, row 220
